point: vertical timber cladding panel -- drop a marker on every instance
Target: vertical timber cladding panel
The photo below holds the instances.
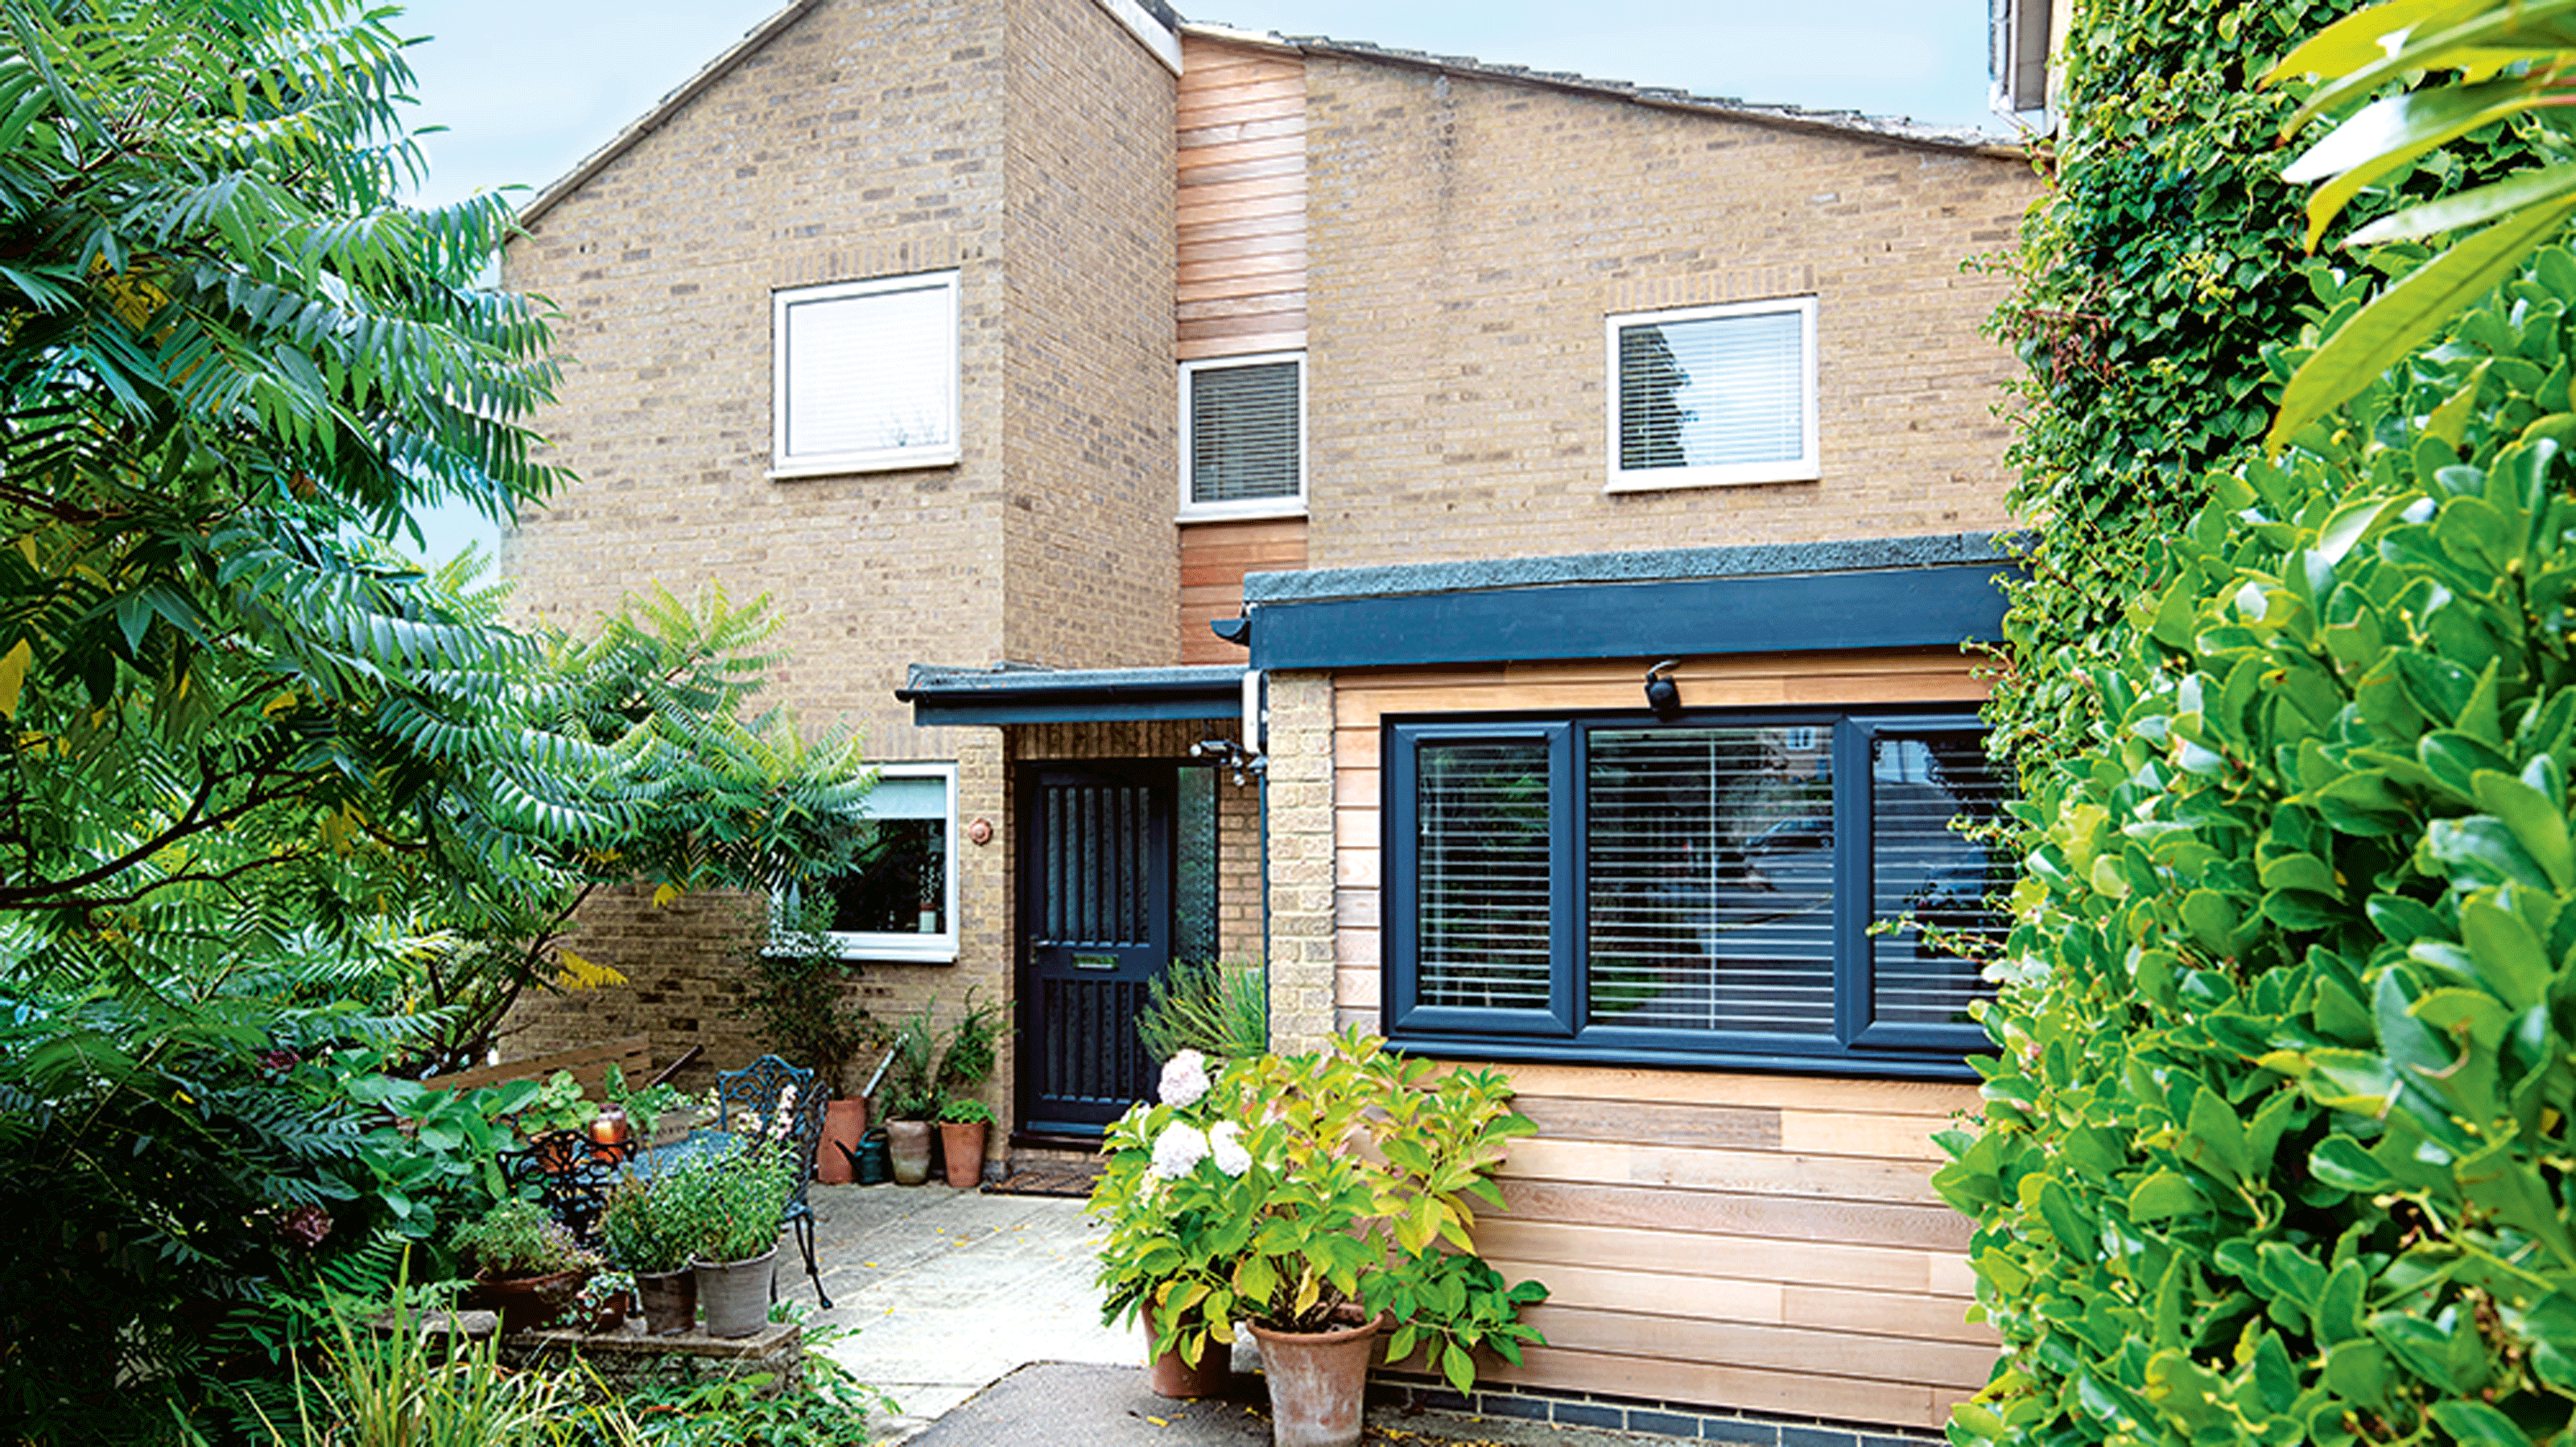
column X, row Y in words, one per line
column 1241, row 126
column 1214, row 558
column 1747, row 1241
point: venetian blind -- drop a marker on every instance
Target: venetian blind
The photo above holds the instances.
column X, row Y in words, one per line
column 1710, row 879
column 1713, row 391
column 1244, row 432
column 1925, row 870
column 869, row 372
column 1482, row 881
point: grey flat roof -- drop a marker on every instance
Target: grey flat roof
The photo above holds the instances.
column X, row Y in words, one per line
column 1019, row 693
column 1854, row 555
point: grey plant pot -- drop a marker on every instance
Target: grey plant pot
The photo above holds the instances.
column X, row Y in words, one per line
column 735, row 1294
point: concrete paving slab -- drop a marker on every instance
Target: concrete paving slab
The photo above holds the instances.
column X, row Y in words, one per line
column 1065, row 1404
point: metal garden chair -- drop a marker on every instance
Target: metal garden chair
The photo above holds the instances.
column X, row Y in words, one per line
column 748, row 1104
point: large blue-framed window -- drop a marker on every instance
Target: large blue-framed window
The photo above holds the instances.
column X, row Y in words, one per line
column 1744, row 888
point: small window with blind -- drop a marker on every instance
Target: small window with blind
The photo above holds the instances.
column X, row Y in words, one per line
column 864, row 376
column 1243, row 437
column 898, row 898
column 1710, row 396
column 1734, row 889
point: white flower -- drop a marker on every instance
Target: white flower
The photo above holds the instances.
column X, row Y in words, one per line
column 1225, row 1144
column 1185, row 1080
column 1178, row 1150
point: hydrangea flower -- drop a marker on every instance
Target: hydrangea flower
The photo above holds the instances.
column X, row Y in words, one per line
column 1178, row 1150
column 1225, row 1146
column 1185, row 1080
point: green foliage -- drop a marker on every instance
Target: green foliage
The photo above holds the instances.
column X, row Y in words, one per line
column 517, row 1238
column 934, row 1064
column 2164, row 258
column 1289, row 1191
column 966, row 1112
column 403, row 1387
column 830, row 1408
column 2510, row 57
column 648, row 1228
column 797, row 996
column 729, row 1205
column 2277, row 1145
column 1209, row 1006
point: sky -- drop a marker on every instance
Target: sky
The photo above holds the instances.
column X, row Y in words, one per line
column 526, row 88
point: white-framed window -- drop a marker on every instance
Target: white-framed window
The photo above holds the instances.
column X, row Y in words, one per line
column 1243, row 436
column 899, row 900
column 864, row 375
column 1713, row 395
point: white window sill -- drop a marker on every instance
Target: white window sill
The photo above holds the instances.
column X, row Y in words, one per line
column 907, row 461
column 898, row 949
column 1235, row 512
column 1666, row 479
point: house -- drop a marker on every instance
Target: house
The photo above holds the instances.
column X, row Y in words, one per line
column 1491, row 547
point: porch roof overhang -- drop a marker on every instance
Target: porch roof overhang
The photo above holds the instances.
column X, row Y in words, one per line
column 1014, row 693
column 1865, row 593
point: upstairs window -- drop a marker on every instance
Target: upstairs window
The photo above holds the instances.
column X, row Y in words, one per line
column 1709, row 396
column 1730, row 890
column 1243, row 437
column 865, row 376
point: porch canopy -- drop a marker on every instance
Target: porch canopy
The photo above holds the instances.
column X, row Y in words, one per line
column 1778, row 598
column 1020, row 693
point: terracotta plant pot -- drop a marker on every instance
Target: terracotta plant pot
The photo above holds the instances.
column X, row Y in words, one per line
column 908, row 1146
column 736, row 1293
column 1316, row 1382
column 1170, row 1376
column 670, row 1301
column 609, row 1317
column 844, row 1122
column 524, row 1302
column 963, row 1145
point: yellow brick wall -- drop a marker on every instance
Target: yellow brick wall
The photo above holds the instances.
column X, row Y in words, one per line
column 1025, row 144
column 1468, row 237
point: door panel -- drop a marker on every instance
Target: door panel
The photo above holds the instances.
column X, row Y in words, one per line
column 1097, row 861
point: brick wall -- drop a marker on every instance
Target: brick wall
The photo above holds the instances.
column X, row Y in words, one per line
column 1467, row 237
column 1091, row 384
column 1302, row 861
column 1025, row 144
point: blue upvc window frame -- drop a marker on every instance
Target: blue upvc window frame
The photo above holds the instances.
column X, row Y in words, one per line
column 1859, row 1043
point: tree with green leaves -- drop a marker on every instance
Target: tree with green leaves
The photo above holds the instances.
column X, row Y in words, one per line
column 279, row 810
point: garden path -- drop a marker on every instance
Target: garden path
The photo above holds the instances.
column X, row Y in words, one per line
column 950, row 1291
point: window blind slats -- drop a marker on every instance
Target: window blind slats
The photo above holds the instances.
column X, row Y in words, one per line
column 1709, row 880
column 1928, row 874
column 1244, row 433
column 1481, row 817
column 1713, row 391
column 872, row 372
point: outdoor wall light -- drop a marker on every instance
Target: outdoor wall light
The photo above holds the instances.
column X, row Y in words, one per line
column 1662, row 694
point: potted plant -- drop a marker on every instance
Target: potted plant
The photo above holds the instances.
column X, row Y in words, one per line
column 963, row 1125
column 1322, row 1198
column 798, row 996
column 526, row 1265
column 648, row 1230
column 734, row 1203
column 931, row 1069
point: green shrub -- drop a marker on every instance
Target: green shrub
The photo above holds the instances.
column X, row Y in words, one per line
column 2277, row 1146
column 1208, row 1006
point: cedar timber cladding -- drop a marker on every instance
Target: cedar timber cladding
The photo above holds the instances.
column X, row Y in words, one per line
column 1241, row 288
column 1768, row 1243
column 1242, row 200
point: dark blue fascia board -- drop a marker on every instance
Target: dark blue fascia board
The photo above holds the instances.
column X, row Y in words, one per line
column 1072, row 709
column 1790, row 613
